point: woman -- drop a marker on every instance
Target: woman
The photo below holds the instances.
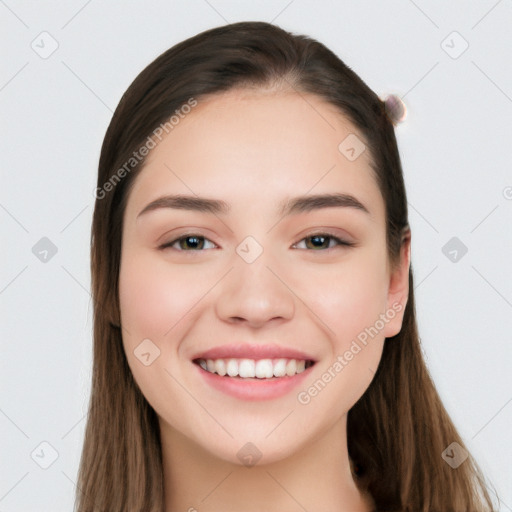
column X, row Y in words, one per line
column 255, row 340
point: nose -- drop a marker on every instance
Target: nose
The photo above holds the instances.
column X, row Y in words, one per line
column 255, row 294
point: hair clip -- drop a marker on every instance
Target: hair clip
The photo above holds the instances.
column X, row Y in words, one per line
column 395, row 109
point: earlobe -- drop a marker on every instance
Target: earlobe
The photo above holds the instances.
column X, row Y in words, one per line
column 398, row 291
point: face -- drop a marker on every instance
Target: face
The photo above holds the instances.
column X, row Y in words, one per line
column 257, row 280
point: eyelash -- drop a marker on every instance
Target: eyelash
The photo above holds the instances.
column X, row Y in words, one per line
column 339, row 242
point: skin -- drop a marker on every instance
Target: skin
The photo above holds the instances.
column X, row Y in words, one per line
column 252, row 149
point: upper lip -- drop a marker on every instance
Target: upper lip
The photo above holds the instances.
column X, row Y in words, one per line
column 251, row 351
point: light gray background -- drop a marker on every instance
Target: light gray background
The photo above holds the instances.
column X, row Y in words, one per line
column 456, row 153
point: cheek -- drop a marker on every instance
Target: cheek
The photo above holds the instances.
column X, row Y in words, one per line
column 156, row 303
column 154, row 296
column 349, row 297
column 351, row 301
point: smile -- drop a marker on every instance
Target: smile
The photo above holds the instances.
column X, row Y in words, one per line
column 254, row 368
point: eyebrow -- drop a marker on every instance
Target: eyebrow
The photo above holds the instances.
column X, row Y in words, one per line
column 291, row 206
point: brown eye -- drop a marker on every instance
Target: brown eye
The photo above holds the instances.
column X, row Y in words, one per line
column 321, row 241
column 189, row 242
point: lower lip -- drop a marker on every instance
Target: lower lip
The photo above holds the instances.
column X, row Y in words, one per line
column 254, row 388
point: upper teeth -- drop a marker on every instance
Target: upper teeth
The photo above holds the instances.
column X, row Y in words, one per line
column 262, row 368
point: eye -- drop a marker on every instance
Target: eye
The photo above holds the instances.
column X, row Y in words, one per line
column 193, row 242
column 187, row 243
column 323, row 241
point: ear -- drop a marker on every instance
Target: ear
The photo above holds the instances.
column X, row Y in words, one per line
column 398, row 290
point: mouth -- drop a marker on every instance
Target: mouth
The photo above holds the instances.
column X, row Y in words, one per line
column 253, row 369
column 250, row 372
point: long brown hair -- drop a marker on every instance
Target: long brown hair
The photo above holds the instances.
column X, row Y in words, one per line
column 399, row 428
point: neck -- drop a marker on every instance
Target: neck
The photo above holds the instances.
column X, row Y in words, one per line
column 317, row 477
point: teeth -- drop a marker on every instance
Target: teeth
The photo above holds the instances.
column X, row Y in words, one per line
column 264, row 369
column 247, row 368
column 291, row 367
column 250, row 368
column 280, row 368
column 220, row 367
column 232, row 367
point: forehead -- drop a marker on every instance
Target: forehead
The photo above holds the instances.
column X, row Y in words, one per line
column 245, row 144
